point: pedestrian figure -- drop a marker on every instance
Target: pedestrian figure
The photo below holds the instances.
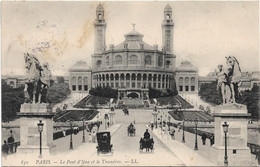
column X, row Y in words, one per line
column 257, row 156
column 203, row 138
column 64, row 133
column 179, row 127
column 172, row 134
column 11, row 140
column 211, row 138
column 152, row 126
column 108, row 124
column 5, row 149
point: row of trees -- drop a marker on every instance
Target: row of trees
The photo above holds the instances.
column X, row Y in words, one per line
column 250, row 98
column 104, row 92
column 156, row 93
column 12, row 98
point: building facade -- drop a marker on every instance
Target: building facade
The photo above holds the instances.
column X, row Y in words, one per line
column 80, row 77
column 133, row 66
column 187, row 78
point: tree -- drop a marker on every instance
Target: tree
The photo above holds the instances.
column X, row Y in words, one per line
column 60, row 80
column 57, row 93
column 104, row 92
column 209, row 93
column 250, row 98
column 12, row 98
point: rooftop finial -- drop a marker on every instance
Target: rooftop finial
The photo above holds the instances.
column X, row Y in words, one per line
column 133, row 26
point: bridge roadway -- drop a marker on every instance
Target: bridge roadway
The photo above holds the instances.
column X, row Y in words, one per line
column 126, row 148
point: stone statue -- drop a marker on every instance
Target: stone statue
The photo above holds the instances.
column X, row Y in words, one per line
column 44, row 83
column 229, row 80
column 234, row 77
column 37, row 79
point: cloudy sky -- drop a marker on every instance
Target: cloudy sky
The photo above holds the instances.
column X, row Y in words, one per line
column 62, row 32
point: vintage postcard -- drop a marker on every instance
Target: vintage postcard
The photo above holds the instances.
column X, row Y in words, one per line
column 130, row 83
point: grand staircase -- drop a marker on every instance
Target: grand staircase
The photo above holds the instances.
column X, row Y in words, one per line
column 133, row 103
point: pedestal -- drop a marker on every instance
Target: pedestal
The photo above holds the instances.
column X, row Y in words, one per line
column 111, row 117
column 30, row 114
column 237, row 151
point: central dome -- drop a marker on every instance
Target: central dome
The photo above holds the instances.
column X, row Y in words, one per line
column 134, row 40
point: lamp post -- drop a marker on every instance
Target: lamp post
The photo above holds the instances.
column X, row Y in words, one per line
column 183, row 136
column 83, row 134
column 40, row 129
column 225, row 129
column 169, row 119
column 196, row 140
column 71, row 144
column 161, row 124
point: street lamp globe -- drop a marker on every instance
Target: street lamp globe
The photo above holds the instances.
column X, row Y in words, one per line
column 196, row 121
column 225, row 127
column 40, row 126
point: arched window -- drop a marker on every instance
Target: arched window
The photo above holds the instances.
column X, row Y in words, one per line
column 144, row 77
column 122, row 77
column 117, row 77
column 167, row 64
column 73, row 83
column 85, row 83
column 154, row 77
column 133, row 77
column 192, row 81
column 127, row 76
column 139, row 77
column 150, row 77
column 180, row 81
column 168, row 16
column 118, row 59
column 186, row 81
column 79, row 83
column 148, row 60
column 107, row 77
column 160, row 61
column 99, row 16
column 107, row 60
column 111, row 77
column 133, row 59
column 99, row 63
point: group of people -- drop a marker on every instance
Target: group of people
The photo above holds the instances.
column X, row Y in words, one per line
column 6, row 147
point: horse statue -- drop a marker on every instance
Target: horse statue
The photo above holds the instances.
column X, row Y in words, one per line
column 229, row 80
column 43, row 83
column 233, row 77
column 33, row 68
column 37, row 80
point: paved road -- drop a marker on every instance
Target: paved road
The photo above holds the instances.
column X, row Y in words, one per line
column 126, row 149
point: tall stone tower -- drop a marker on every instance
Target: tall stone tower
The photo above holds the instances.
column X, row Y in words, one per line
column 100, row 30
column 167, row 30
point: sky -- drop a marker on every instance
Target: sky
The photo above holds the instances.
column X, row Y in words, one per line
column 62, row 33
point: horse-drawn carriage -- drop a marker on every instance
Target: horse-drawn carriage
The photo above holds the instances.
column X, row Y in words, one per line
column 146, row 144
column 104, row 143
column 131, row 130
column 125, row 111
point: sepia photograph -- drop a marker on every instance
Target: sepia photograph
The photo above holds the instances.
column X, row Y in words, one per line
column 130, row 83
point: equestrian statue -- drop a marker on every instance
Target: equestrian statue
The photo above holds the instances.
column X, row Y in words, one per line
column 229, row 80
column 37, row 80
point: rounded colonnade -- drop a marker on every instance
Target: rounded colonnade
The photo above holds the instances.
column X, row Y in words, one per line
column 134, row 80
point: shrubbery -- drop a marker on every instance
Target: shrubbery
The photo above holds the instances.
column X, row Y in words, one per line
column 104, row 92
column 250, row 98
column 12, row 98
column 156, row 93
column 57, row 93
